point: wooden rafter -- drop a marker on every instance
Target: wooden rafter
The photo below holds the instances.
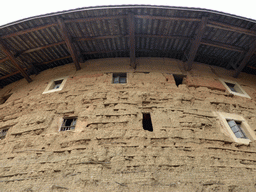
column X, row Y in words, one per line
column 196, row 43
column 203, row 42
column 227, row 27
column 69, row 44
column 222, row 45
column 4, row 59
column 28, row 30
column 94, row 19
column 131, row 24
column 14, row 61
column 246, row 59
column 40, row 48
column 167, row 18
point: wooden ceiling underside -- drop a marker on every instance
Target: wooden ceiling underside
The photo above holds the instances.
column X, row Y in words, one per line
column 132, row 34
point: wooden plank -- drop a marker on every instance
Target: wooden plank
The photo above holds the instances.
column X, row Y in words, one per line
column 246, row 59
column 39, row 48
column 69, row 44
column 14, row 61
column 164, row 36
column 227, row 27
column 204, row 42
column 58, row 59
column 131, row 24
column 95, row 19
column 196, row 43
column 28, row 30
column 4, row 59
column 99, row 37
column 222, row 46
column 166, row 18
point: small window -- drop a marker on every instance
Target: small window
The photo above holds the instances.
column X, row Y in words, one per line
column 236, row 128
column 4, row 98
column 234, row 88
column 147, row 123
column 68, row 124
column 178, row 79
column 3, row 133
column 55, row 85
column 119, row 78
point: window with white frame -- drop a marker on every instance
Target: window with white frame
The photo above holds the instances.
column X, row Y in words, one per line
column 236, row 127
column 55, row 85
column 68, row 124
column 119, row 78
column 234, row 88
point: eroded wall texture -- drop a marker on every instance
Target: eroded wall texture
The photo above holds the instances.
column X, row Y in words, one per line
column 109, row 150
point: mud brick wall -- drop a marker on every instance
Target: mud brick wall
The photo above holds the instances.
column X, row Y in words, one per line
column 109, row 150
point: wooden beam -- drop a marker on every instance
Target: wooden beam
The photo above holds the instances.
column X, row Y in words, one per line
column 167, row 18
column 204, row 42
column 39, row 48
column 227, row 27
column 4, row 59
column 246, row 59
column 69, row 44
column 28, row 30
column 58, row 59
column 14, row 61
column 94, row 19
column 222, row 45
column 99, row 37
column 196, row 43
column 131, row 25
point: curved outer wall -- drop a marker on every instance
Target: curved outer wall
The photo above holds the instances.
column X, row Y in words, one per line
column 109, row 150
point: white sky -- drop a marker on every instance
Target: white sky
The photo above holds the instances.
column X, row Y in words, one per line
column 13, row 10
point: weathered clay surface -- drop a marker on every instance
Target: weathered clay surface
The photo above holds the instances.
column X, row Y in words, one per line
column 109, row 150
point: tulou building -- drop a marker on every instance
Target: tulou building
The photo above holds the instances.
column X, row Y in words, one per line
column 128, row 98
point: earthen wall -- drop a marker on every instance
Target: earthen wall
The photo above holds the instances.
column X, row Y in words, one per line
column 109, row 150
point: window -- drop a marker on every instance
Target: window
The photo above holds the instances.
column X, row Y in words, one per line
column 147, row 123
column 68, row 124
column 5, row 98
column 55, row 85
column 234, row 88
column 3, row 133
column 119, row 78
column 236, row 127
column 178, row 79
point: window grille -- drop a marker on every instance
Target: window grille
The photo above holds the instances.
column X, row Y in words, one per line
column 236, row 128
column 119, row 78
column 68, row 124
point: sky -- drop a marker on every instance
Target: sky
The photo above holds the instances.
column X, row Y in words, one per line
column 13, row 10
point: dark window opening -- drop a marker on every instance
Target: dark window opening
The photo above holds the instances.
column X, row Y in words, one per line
column 68, row 124
column 56, row 84
column 3, row 133
column 178, row 79
column 119, row 78
column 231, row 87
column 4, row 98
column 236, row 128
column 147, row 123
